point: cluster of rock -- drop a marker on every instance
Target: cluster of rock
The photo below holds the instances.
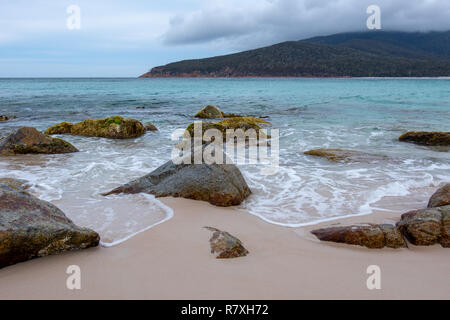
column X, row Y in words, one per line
column 31, row 228
column 420, row 227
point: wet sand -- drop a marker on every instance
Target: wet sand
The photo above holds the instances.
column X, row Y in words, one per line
column 173, row 261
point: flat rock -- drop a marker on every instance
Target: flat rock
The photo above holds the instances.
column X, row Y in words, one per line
column 31, row 228
column 441, row 197
column 435, row 138
column 226, row 246
column 219, row 184
column 370, row 236
column 340, row 155
column 111, row 128
column 422, row 227
column 28, row 140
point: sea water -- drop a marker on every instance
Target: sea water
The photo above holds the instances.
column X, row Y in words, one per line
column 359, row 114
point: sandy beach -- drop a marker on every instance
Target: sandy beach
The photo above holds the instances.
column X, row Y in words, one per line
column 173, row 261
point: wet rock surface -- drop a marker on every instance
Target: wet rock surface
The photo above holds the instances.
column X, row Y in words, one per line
column 28, row 140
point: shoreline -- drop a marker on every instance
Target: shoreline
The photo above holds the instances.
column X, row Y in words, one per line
column 172, row 261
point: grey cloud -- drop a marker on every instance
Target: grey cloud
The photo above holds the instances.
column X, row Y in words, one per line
column 251, row 23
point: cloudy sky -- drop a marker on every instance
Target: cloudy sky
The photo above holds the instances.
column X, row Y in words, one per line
column 128, row 37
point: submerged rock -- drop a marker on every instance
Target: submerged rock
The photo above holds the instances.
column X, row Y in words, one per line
column 31, row 228
column 111, row 128
column 28, row 140
column 4, row 118
column 423, row 227
column 370, row 236
column 226, row 246
column 441, row 197
column 435, row 138
column 340, row 155
column 150, row 127
column 219, row 184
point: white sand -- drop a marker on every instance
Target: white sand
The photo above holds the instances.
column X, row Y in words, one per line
column 173, row 261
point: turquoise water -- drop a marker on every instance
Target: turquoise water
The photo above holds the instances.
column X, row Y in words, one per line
column 360, row 114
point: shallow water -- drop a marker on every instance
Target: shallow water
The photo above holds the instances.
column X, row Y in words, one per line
column 361, row 114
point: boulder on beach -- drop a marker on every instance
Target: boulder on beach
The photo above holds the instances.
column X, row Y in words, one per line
column 28, row 140
column 370, row 236
column 31, row 228
column 150, row 127
column 220, row 184
column 340, row 155
column 435, row 138
column 426, row 227
column 226, row 246
column 441, row 197
column 111, row 128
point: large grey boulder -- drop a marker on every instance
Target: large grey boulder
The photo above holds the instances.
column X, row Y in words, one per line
column 31, row 228
column 220, row 184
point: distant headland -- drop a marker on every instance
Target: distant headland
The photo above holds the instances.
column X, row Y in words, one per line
column 356, row 54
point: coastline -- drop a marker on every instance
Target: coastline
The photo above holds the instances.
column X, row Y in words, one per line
column 172, row 261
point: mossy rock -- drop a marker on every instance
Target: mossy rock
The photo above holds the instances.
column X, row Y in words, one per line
column 244, row 123
column 60, row 128
column 209, row 112
column 112, row 128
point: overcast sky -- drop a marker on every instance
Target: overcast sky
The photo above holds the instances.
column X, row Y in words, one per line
column 128, row 37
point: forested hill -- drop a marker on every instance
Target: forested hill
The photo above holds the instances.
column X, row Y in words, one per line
column 360, row 54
